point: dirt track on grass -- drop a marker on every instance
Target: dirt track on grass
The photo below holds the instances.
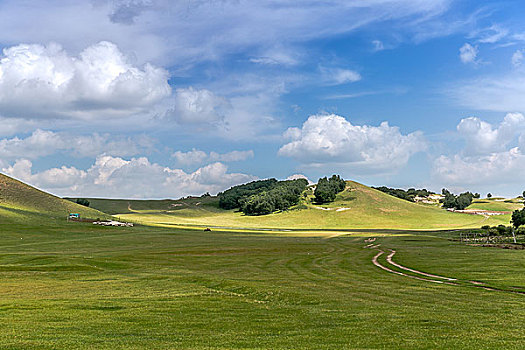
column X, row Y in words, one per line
column 433, row 278
column 389, row 258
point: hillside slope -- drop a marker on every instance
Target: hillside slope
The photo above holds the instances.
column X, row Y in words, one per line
column 497, row 205
column 21, row 202
column 358, row 206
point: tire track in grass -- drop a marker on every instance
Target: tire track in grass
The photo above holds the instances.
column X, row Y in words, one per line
column 447, row 280
column 376, row 263
column 390, row 261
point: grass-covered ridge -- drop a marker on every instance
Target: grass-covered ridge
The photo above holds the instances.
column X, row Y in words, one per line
column 497, row 205
column 358, row 206
column 21, row 202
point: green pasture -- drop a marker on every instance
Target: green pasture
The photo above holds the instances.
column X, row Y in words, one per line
column 497, row 205
column 357, row 207
column 82, row 286
column 67, row 285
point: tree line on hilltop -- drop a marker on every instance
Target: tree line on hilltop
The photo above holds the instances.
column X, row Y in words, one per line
column 450, row 200
column 267, row 196
column 408, row 195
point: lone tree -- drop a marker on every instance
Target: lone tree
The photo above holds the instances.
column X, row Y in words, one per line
column 518, row 218
column 523, row 195
column 489, row 195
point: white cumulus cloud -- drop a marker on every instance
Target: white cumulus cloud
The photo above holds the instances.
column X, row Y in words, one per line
column 517, row 58
column 192, row 106
column 492, row 169
column 493, row 155
column 244, row 114
column 299, row 176
column 331, row 139
column 39, row 81
column 468, row 53
column 196, row 156
column 114, row 177
column 338, row 76
column 43, row 143
column 483, row 138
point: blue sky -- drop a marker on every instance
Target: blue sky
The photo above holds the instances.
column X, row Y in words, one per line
column 158, row 99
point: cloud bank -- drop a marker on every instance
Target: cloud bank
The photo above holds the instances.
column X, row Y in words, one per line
column 493, row 155
column 42, row 143
column 115, row 177
column 331, row 139
column 198, row 157
column 38, row 81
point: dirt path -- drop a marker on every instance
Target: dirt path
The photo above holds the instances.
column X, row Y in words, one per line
column 390, row 261
column 376, row 263
column 437, row 279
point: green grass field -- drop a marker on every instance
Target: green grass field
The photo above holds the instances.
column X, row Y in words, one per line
column 496, row 205
column 357, row 207
column 78, row 286
column 67, row 285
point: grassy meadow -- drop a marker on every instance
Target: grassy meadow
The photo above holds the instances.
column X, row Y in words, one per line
column 358, row 206
column 70, row 285
column 497, row 205
column 82, row 286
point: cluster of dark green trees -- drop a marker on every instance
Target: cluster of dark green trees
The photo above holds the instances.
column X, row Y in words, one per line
column 408, row 195
column 459, row 202
column 285, row 195
column 231, row 198
column 82, row 201
column 327, row 189
column 263, row 197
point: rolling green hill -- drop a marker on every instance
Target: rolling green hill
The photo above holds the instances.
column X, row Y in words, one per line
column 128, row 206
column 81, row 286
column 357, row 207
column 496, row 204
column 21, row 202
